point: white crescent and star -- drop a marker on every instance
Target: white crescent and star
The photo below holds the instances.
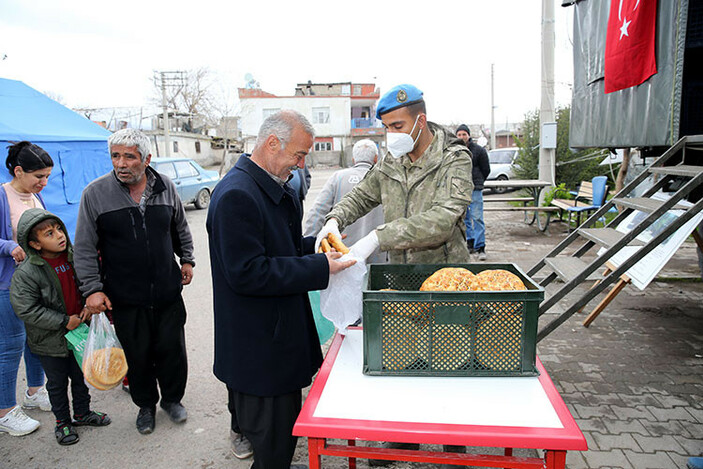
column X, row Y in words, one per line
column 625, row 23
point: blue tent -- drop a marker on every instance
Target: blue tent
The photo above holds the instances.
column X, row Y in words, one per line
column 77, row 145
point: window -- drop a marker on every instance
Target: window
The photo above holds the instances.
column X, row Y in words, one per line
column 321, row 115
column 185, row 169
column 323, row 146
column 357, row 90
column 175, row 146
column 501, row 156
column 165, row 168
column 197, row 147
column 269, row 112
column 345, row 90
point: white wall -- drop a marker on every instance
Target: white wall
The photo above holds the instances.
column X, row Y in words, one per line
column 252, row 113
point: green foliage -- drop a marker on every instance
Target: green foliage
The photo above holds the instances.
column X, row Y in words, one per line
column 573, row 166
column 558, row 192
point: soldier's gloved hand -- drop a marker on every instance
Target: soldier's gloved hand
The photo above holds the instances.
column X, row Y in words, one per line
column 330, row 227
column 365, row 246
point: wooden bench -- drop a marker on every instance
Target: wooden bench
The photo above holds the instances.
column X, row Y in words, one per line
column 583, row 202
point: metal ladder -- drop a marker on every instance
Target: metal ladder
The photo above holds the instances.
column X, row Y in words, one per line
column 573, row 270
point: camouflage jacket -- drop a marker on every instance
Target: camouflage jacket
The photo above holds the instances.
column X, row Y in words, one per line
column 423, row 202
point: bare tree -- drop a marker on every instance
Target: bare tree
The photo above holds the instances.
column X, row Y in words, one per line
column 190, row 95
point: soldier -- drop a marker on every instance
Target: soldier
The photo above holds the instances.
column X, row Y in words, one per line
column 424, row 184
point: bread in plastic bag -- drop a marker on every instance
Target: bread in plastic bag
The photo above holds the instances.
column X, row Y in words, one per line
column 104, row 362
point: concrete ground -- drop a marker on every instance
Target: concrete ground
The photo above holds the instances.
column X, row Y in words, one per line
column 633, row 380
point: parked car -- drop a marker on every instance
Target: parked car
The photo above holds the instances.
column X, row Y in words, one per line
column 502, row 160
column 193, row 183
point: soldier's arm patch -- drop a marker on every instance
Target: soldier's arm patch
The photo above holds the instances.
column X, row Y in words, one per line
column 459, row 189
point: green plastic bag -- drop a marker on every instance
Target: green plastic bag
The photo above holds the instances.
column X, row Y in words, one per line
column 325, row 328
column 76, row 340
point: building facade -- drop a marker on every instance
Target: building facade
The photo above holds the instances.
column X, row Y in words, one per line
column 341, row 113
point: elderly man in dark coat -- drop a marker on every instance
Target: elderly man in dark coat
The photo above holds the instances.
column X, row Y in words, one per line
column 266, row 345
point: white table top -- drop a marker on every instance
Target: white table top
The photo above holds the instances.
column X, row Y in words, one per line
column 489, row 401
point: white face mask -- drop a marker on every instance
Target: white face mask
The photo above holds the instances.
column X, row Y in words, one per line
column 400, row 143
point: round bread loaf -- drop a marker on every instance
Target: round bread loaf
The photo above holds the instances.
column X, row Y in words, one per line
column 399, row 342
column 498, row 341
column 496, row 280
column 105, row 368
column 448, row 279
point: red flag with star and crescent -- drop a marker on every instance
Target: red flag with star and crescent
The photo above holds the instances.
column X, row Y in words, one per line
column 629, row 43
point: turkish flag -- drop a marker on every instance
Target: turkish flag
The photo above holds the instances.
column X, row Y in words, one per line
column 629, row 43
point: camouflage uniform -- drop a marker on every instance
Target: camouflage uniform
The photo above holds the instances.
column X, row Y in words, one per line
column 423, row 202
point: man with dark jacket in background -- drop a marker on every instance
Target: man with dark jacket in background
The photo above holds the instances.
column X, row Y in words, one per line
column 475, row 227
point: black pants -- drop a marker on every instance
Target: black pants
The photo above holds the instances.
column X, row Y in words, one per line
column 155, row 347
column 267, row 422
column 58, row 371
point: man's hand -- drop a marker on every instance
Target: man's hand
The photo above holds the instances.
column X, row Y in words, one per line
column 332, row 226
column 335, row 265
column 98, row 302
column 186, row 273
column 86, row 313
column 365, row 246
column 73, row 322
column 18, row 254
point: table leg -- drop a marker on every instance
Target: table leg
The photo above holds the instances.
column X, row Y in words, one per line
column 314, row 457
column 352, row 461
column 555, row 459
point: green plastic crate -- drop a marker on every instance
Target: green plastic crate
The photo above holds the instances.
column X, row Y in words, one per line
column 412, row 333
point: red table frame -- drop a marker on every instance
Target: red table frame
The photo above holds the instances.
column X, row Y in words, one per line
column 555, row 441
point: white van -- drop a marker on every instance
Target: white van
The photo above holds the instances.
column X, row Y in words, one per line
column 502, row 160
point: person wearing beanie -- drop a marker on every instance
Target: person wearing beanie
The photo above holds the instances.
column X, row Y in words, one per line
column 475, row 227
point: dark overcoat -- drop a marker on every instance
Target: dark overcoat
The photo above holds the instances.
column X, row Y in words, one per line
column 266, row 343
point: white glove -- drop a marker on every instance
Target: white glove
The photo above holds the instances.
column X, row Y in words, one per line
column 330, row 227
column 363, row 248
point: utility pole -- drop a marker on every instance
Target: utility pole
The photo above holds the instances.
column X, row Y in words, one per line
column 493, row 120
column 546, row 113
column 168, row 79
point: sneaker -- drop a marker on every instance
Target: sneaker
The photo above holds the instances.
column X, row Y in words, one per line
column 470, row 245
column 125, row 385
column 146, row 420
column 175, row 410
column 241, row 446
column 38, row 400
column 694, row 463
column 481, row 254
column 17, row 423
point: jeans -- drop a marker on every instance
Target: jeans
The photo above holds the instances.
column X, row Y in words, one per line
column 13, row 340
column 59, row 370
column 475, row 228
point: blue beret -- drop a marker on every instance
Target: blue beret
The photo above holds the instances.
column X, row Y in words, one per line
column 397, row 97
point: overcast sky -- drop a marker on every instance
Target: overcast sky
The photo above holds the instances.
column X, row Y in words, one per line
column 103, row 54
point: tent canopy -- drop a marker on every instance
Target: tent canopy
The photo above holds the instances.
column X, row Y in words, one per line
column 77, row 145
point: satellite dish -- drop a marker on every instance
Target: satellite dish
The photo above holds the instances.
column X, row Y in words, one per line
column 248, row 77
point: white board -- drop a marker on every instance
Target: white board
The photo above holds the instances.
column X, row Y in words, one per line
column 649, row 266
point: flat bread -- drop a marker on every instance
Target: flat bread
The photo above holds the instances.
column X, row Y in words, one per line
column 448, row 279
column 496, row 280
column 105, row 368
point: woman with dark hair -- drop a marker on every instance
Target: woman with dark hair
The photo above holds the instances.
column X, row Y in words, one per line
column 30, row 167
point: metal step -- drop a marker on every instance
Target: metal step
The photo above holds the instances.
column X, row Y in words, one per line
column 606, row 237
column 568, row 268
column 644, row 204
column 680, row 170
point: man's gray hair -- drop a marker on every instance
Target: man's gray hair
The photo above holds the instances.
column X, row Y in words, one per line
column 364, row 151
column 131, row 138
column 281, row 124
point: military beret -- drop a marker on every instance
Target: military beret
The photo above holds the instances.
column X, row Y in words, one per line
column 397, row 97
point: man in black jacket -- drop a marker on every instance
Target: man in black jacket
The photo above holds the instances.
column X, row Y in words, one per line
column 266, row 344
column 130, row 224
column 475, row 227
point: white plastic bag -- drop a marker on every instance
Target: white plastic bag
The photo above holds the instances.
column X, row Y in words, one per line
column 341, row 301
column 104, row 362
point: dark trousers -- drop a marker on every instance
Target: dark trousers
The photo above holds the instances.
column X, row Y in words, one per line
column 267, row 422
column 155, row 347
column 58, row 371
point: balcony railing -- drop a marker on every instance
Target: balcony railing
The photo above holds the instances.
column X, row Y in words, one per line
column 365, row 123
